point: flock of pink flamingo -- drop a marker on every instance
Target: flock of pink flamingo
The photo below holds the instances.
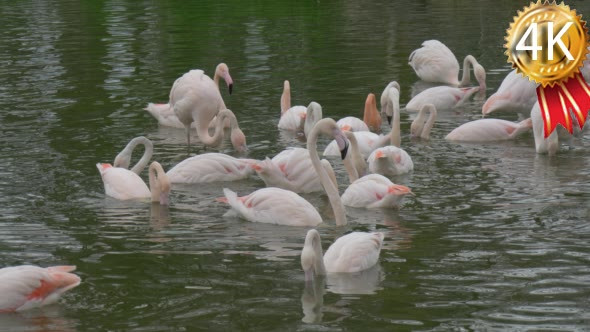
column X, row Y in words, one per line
column 369, row 158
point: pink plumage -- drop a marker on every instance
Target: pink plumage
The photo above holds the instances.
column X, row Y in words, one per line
column 26, row 286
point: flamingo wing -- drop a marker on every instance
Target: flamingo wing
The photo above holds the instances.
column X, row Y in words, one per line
column 274, row 206
column 353, row 252
column 435, row 62
column 26, row 286
column 293, row 118
column 210, row 167
column 121, row 183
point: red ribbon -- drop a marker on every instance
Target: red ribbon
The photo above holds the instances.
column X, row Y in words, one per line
column 558, row 100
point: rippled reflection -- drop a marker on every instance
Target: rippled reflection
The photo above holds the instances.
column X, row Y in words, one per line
column 49, row 318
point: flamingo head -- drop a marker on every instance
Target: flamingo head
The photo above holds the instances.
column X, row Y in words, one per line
column 223, row 71
column 379, row 154
column 263, row 166
column 159, row 184
column 122, row 160
column 341, row 141
column 238, row 140
column 399, row 190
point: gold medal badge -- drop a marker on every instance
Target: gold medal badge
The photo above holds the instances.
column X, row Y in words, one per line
column 548, row 43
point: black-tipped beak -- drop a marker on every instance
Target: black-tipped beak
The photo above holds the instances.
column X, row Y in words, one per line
column 231, row 86
column 389, row 119
column 344, row 151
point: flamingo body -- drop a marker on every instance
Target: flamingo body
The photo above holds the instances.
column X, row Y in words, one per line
column 390, row 160
column 374, row 191
column 485, row 130
column 124, row 184
column 167, row 118
column 351, row 123
column 121, row 183
column 293, row 118
column 164, row 114
column 367, row 142
column 274, row 206
column 353, row 252
column 210, row 167
column 26, row 286
column 435, row 62
column 195, row 97
column 444, row 98
column 515, row 94
column 292, row 170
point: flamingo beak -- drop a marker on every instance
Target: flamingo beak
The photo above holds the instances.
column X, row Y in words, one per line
column 389, row 118
column 341, row 141
column 344, row 151
column 228, row 80
column 398, row 189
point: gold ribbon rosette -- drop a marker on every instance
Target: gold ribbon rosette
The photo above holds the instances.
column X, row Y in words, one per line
column 548, row 43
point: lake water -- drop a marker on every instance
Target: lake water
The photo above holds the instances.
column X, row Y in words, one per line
column 495, row 239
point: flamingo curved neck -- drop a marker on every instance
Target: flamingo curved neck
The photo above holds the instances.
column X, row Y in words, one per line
column 329, row 187
column 395, row 135
column 430, row 122
column 313, row 115
column 286, row 97
column 467, row 63
column 354, row 163
column 159, row 183
column 216, row 78
column 203, row 128
column 318, row 263
column 128, row 151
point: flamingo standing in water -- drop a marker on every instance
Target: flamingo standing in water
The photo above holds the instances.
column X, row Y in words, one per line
column 195, row 97
column 284, row 207
column 25, row 287
column 435, row 62
column 165, row 114
column 353, row 252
